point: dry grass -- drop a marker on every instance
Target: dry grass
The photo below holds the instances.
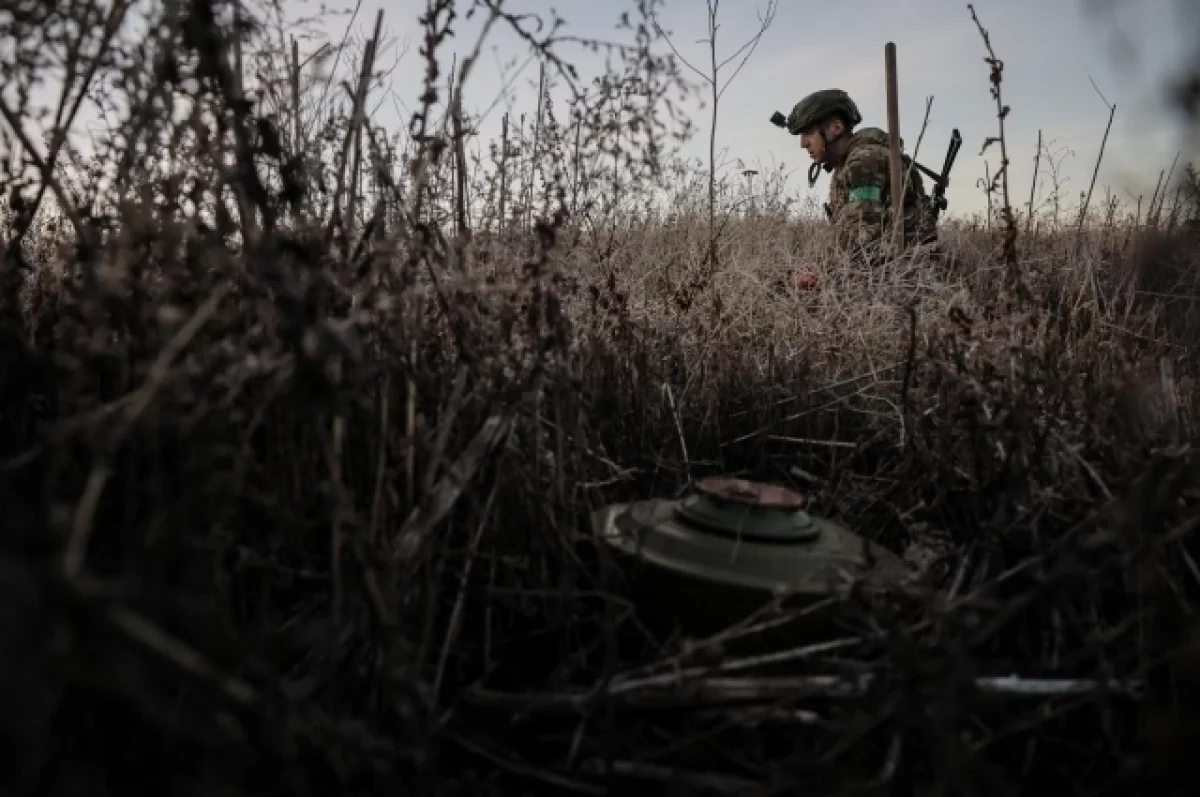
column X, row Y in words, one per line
column 240, row 555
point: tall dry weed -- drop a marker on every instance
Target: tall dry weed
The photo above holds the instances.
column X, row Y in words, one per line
column 302, row 421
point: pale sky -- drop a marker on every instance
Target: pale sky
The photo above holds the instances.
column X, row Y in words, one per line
column 1050, row 48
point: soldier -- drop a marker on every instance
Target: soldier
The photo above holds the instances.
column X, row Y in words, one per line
column 860, row 188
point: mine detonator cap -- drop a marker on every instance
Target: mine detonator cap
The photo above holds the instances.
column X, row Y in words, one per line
column 816, row 108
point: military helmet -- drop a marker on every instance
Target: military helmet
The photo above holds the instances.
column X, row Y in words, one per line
column 819, row 106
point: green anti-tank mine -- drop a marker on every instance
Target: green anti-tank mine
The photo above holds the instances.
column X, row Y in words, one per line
column 714, row 557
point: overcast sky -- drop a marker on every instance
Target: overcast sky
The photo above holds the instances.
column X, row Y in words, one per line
column 1052, row 50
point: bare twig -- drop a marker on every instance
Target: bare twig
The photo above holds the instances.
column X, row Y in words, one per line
column 1001, row 175
column 1112, row 110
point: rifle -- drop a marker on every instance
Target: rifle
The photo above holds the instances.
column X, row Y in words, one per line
column 937, row 197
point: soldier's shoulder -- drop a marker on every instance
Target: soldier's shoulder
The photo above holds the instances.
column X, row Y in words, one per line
column 867, row 145
column 869, row 135
column 867, row 160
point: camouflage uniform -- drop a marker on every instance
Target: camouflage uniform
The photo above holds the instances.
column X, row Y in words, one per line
column 860, row 198
column 860, row 189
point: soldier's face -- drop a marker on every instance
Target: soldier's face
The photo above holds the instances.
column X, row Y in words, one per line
column 813, row 143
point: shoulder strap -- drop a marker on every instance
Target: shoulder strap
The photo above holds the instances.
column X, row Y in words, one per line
column 915, row 182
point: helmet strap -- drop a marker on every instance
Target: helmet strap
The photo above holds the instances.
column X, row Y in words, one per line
column 828, row 141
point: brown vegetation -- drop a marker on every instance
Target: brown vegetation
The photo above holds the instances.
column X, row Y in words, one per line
column 301, row 423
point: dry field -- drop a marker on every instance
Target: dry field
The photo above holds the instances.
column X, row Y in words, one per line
column 302, row 419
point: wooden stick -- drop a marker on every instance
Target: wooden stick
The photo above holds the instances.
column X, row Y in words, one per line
column 897, row 172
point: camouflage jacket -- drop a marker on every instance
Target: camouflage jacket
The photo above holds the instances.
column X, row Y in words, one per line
column 860, row 199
